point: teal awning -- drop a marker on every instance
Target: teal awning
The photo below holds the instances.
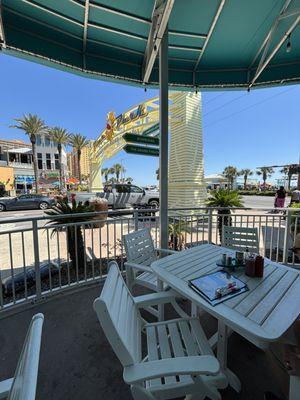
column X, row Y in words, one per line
column 212, row 43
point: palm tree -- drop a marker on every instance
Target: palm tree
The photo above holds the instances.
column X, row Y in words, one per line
column 287, row 172
column 128, row 180
column 111, row 171
column 265, row 172
column 222, row 199
column 230, row 174
column 75, row 242
column 245, row 173
column 176, row 237
column 105, row 172
column 157, row 174
column 119, row 169
column 61, row 137
column 33, row 126
column 78, row 141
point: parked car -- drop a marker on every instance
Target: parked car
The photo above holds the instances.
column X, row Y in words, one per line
column 26, row 202
column 124, row 195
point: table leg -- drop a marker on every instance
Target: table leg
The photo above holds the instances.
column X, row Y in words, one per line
column 223, row 334
column 294, row 387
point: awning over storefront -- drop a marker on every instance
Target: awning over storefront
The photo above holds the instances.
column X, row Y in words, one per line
column 24, row 179
column 212, row 43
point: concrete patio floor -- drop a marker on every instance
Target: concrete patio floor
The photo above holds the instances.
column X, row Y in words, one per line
column 77, row 362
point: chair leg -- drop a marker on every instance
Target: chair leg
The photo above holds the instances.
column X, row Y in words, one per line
column 129, row 278
column 140, row 393
column 204, row 391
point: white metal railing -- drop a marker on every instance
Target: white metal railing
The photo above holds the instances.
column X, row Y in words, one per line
column 37, row 261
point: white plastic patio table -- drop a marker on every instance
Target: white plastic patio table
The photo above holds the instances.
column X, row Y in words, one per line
column 261, row 314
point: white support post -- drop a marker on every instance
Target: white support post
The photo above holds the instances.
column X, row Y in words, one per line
column 2, row 34
column 163, row 143
column 35, row 233
column 286, row 236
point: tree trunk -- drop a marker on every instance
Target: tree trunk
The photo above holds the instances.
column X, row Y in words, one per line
column 79, row 169
column 245, row 182
column 60, row 166
column 76, row 251
column 223, row 219
column 34, row 159
column 289, row 182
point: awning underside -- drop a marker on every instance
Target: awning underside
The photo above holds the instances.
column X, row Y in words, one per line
column 212, row 43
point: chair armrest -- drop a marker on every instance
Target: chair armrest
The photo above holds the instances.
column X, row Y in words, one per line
column 5, row 388
column 154, row 299
column 193, row 365
column 165, row 251
column 139, row 267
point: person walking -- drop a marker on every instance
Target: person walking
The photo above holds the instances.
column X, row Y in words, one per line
column 280, row 197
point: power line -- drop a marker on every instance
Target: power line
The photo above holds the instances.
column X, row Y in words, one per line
column 248, row 107
column 225, row 104
column 216, row 97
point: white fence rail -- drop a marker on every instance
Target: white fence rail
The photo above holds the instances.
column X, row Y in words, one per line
column 38, row 260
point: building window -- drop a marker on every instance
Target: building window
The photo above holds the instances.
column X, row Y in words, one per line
column 47, row 141
column 40, row 160
column 56, row 159
column 38, row 140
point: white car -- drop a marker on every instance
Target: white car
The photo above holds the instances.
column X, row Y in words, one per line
column 124, row 195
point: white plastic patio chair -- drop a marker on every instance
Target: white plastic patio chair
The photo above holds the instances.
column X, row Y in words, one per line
column 23, row 385
column 140, row 252
column 178, row 359
column 240, row 238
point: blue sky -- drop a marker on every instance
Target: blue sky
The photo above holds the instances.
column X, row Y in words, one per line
column 239, row 128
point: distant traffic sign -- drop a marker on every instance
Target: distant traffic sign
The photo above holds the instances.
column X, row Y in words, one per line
column 132, row 137
column 146, row 151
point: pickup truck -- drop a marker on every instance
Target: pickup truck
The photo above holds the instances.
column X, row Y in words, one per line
column 124, row 195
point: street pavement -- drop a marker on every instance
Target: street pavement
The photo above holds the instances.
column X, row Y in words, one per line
column 249, row 201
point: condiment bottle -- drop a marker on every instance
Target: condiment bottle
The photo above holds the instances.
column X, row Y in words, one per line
column 250, row 267
column 259, row 266
column 246, row 254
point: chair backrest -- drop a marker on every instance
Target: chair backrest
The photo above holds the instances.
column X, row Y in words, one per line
column 240, row 238
column 139, row 247
column 119, row 317
column 25, row 379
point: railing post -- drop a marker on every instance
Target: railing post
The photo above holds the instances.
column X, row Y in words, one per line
column 35, row 233
column 286, row 236
column 210, row 221
column 136, row 220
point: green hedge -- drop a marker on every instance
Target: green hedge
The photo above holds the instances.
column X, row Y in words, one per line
column 270, row 193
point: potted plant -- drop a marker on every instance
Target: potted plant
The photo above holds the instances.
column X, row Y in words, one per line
column 99, row 204
column 223, row 199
